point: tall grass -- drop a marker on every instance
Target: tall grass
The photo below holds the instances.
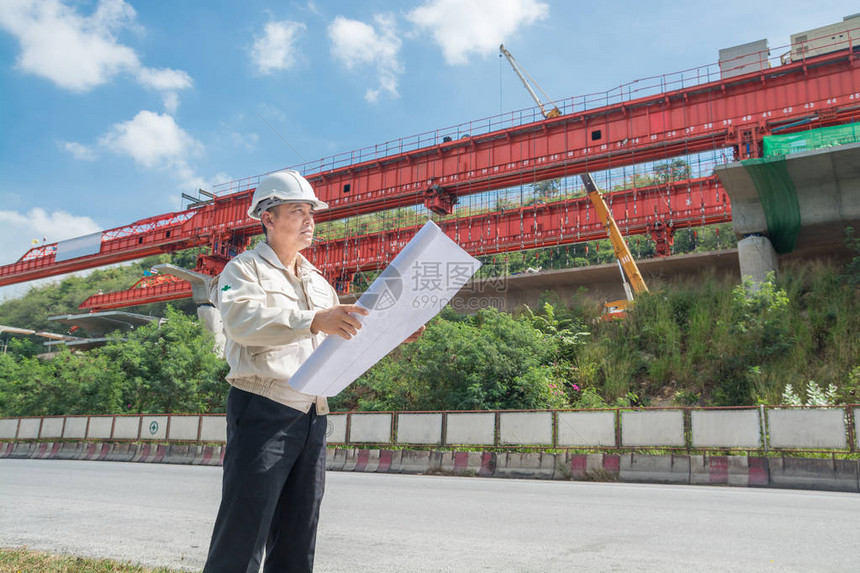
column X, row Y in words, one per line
column 711, row 340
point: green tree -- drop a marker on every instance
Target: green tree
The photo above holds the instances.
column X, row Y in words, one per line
column 169, row 367
column 544, row 191
column 155, row 369
column 487, row 361
column 673, row 170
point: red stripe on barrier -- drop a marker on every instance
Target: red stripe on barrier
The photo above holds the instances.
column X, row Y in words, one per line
column 207, row 455
column 361, row 462
column 461, row 462
column 159, row 454
column 223, row 451
column 43, row 447
column 488, row 464
column 104, row 453
column 718, row 469
column 612, row 463
column 385, row 460
column 758, row 471
column 144, row 453
column 578, row 463
column 8, row 451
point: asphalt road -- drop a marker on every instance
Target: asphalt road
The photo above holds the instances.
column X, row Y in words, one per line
column 159, row 514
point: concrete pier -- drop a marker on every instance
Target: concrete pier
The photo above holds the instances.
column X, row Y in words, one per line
column 757, row 258
column 799, row 203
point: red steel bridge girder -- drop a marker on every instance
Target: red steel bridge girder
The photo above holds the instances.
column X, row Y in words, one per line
column 735, row 112
column 658, row 208
column 700, row 118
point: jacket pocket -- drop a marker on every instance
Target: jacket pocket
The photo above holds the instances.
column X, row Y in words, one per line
column 271, row 353
column 280, row 293
column 319, row 293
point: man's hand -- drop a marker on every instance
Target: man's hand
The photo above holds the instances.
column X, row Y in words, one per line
column 338, row 320
column 415, row 335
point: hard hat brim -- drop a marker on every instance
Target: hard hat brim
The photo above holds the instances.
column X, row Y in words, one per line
column 316, row 204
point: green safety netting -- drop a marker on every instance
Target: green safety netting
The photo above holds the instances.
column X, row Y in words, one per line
column 778, row 198
column 775, row 145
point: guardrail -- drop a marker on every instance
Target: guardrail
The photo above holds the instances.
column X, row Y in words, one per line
column 784, row 428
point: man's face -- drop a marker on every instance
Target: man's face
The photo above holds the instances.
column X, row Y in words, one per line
column 290, row 224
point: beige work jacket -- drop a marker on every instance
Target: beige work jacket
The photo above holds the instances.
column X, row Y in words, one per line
column 267, row 313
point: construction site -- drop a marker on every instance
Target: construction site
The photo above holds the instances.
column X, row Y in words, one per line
column 764, row 141
column 764, row 145
column 656, row 285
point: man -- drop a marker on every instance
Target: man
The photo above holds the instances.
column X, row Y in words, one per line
column 276, row 308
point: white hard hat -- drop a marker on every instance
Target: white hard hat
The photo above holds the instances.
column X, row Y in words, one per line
column 283, row 187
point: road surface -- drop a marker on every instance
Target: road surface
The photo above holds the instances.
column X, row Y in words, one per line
column 158, row 514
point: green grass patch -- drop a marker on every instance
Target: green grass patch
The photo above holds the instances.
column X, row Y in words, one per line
column 23, row 560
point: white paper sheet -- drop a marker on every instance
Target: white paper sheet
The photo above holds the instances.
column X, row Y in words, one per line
column 414, row 288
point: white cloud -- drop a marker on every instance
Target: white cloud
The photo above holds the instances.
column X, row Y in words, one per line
column 356, row 44
column 155, row 141
column 169, row 82
column 275, row 50
column 79, row 53
column 151, row 139
column 18, row 230
column 171, row 102
column 74, row 52
column 248, row 141
column 164, row 79
column 271, row 112
column 474, row 27
column 79, row 151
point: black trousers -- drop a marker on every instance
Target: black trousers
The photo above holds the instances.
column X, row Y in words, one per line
column 274, row 478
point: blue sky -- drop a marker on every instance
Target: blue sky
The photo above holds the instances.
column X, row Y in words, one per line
column 110, row 109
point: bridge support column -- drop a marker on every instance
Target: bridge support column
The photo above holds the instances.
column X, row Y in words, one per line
column 757, row 258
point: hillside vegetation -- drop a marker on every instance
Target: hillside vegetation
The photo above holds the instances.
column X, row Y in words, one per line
column 705, row 342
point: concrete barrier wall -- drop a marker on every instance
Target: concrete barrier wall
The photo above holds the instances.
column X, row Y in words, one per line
column 477, row 429
column 184, row 428
column 788, row 428
column 76, row 428
column 28, row 429
column 336, row 431
column 419, row 428
column 586, row 429
column 857, row 428
column 652, row 428
column 812, row 428
column 126, row 428
column 370, row 428
column 52, row 428
column 153, row 427
column 213, row 428
column 725, row 429
column 8, row 428
column 100, row 428
column 525, row 428
column 742, row 470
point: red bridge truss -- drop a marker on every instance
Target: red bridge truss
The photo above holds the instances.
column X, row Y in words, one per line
column 649, row 120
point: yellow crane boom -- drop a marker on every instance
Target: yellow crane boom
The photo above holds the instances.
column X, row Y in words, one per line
column 629, row 270
column 619, row 245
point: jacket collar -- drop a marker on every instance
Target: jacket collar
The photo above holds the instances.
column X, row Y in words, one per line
column 268, row 254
